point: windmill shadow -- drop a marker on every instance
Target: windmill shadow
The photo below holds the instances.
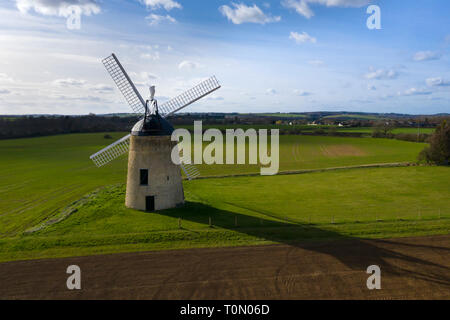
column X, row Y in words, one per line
column 356, row 256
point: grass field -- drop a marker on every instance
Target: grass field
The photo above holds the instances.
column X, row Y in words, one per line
column 354, row 116
column 394, row 131
column 316, row 152
column 40, row 178
column 366, row 203
column 307, row 128
column 335, row 116
column 283, row 115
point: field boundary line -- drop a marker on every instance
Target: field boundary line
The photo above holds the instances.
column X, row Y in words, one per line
column 293, row 172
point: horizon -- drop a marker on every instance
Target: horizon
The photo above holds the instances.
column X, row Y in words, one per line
column 237, row 113
column 286, row 56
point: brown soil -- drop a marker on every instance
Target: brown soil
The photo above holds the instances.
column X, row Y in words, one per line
column 412, row 268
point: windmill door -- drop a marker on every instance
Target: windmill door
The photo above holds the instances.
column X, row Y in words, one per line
column 150, row 203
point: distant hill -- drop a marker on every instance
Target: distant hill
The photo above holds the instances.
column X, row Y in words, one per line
column 303, row 115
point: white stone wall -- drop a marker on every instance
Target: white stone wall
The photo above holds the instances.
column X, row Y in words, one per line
column 164, row 177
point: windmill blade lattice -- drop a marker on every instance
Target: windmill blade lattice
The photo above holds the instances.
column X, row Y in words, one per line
column 124, row 84
column 112, row 152
column 138, row 105
column 190, row 171
column 189, row 97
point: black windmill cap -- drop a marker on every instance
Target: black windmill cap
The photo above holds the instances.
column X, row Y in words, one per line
column 155, row 125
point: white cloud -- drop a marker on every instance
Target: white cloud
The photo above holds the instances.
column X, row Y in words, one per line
column 385, row 97
column 271, row 91
column 58, row 7
column 437, row 82
column 76, row 58
column 379, row 74
column 102, row 88
column 83, row 84
column 188, row 65
column 69, row 82
column 243, row 13
column 301, row 93
column 316, row 63
column 151, row 56
column 214, row 98
column 155, row 19
column 148, row 76
column 302, row 6
column 88, row 98
column 166, row 4
column 414, row 92
column 145, row 79
column 5, row 78
column 426, row 56
column 302, row 38
column 371, row 87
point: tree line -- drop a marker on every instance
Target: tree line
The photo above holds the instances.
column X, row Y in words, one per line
column 31, row 126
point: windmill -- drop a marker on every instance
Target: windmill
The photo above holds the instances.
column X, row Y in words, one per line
column 153, row 182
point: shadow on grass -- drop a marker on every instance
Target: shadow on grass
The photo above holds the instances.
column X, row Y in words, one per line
column 357, row 254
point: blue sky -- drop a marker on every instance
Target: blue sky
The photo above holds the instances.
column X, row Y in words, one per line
column 270, row 56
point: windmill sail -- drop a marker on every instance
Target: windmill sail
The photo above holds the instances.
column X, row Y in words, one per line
column 190, row 171
column 122, row 147
column 189, row 97
column 125, row 84
column 112, row 152
column 138, row 105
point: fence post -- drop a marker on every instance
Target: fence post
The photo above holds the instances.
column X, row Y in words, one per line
column 332, row 220
column 179, row 223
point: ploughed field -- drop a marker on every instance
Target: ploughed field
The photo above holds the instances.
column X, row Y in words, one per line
column 54, row 202
column 411, row 268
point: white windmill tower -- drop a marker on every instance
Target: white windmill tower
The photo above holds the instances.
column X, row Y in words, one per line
column 154, row 182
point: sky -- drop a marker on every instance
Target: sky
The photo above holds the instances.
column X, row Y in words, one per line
column 269, row 56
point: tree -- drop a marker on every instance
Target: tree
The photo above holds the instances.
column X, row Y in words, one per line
column 439, row 150
column 382, row 130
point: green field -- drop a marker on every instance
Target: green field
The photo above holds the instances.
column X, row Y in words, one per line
column 366, row 203
column 310, row 128
column 316, row 152
column 354, row 116
column 394, row 131
column 44, row 178
column 39, row 176
column 283, row 115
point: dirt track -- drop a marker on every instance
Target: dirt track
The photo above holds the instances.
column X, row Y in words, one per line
column 413, row 268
